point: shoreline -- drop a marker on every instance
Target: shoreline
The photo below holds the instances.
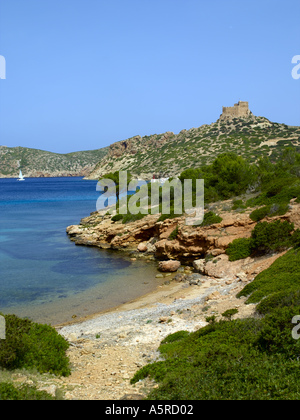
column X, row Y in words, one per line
column 166, row 300
column 139, row 302
column 107, row 349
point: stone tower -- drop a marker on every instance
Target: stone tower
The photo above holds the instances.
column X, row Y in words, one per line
column 239, row 110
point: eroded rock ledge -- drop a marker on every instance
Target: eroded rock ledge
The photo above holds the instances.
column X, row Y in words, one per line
column 148, row 236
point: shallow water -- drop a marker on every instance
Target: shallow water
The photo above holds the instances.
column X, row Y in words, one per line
column 45, row 276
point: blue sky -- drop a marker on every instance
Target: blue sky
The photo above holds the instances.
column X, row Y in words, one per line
column 81, row 75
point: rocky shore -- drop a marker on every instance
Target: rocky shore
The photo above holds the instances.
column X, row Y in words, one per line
column 150, row 237
column 107, row 349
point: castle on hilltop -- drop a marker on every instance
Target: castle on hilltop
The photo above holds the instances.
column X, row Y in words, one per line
column 239, row 110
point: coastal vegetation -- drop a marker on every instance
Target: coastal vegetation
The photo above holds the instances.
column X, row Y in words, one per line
column 255, row 358
column 271, row 184
column 265, row 238
column 32, row 346
column 229, row 358
column 169, row 154
column 25, row 392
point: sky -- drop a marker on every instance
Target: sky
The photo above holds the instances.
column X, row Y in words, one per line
column 83, row 74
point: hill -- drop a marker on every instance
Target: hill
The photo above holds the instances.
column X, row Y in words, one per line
column 168, row 154
column 40, row 163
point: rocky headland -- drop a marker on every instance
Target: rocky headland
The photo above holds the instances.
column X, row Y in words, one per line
column 150, row 238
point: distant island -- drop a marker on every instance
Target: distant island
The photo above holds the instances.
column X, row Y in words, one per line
column 161, row 155
column 40, row 163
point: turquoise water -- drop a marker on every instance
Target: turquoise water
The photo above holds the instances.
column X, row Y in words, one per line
column 45, row 276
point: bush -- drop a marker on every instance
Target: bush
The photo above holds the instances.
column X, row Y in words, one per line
column 270, row 210
column 238, row 205
column 265, row 237
column 283, row 276
column 177, row 336
column 25, row 392
column 229, row 313
column 296, row 238
column 239, row 359
column 239, row 248
column 31, row 345
column 273, row 236
column 117, row 217
column 210, row 218
column 127, row 218
column 171, row 215
column 174, row 234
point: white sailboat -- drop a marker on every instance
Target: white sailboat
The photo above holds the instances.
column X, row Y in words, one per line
column 21, row 178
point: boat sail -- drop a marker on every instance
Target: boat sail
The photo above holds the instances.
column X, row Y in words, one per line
column 21, row 178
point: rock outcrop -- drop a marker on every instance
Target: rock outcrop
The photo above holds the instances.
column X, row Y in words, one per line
column 149, row 236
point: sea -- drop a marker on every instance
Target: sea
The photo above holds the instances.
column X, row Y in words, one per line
column 46, row 277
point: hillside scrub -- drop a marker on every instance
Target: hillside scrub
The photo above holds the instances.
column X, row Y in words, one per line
column 230, row 175
column 240, row 359
column 280, row 281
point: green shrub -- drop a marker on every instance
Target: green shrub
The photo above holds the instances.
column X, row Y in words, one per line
column 281, row 279
column 210, row 218
column 239, row 248
column 25, row 392
column 117, row 217
column 265, row 237
column 31, row 345
column 272, row 236
column 244, row 359
column 229, row 313
column 238, row 205
column 127, row 218
column 296, row 238
column 179, row 335
column 269, row 210
column 174, row 234
column 287, row 297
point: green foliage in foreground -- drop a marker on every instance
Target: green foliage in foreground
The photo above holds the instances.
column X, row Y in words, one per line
column 241, row 359
column 31, row 345
column 25, row 392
